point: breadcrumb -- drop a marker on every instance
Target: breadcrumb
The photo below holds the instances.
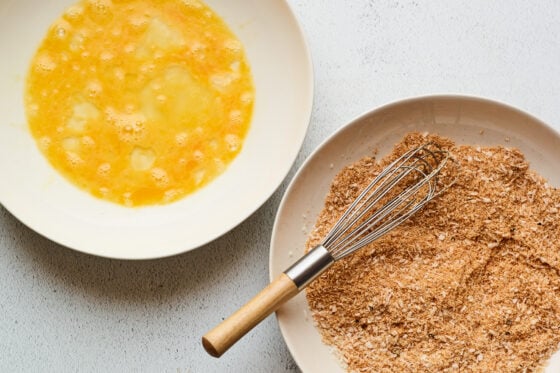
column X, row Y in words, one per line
column 469, row 284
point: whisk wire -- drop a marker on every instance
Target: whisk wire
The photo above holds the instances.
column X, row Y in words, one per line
column 347, row 217
column 388, row 211
column 361, row 223
column 393, row 220
column 358, row 211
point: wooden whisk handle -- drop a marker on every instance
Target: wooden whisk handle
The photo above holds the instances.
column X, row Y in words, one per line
column 222, row 337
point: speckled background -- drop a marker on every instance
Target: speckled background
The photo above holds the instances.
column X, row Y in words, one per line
column 64, row 311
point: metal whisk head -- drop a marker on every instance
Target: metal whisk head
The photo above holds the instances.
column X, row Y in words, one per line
column 399, row 191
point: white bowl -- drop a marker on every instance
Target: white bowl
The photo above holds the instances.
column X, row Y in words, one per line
column 466, row 120
column 44, row 201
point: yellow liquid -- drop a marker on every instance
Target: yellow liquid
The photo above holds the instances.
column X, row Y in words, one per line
column 139, row 102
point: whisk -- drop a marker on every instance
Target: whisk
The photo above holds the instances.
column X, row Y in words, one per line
column 396, row 193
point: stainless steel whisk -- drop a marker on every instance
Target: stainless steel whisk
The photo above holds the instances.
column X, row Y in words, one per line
column 399, row 191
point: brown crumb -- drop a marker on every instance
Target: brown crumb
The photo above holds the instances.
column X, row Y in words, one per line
column 469, row 284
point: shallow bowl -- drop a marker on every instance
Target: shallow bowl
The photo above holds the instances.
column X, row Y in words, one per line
column 466, row 120
column 43, row 200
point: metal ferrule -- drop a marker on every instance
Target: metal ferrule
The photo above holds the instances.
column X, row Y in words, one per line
column 310, row 266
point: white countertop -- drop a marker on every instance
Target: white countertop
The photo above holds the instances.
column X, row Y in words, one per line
column 64, row 311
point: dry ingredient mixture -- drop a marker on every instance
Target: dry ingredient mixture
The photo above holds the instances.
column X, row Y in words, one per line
column 471, row 283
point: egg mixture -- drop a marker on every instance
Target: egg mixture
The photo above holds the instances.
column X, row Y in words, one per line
column 139, row 102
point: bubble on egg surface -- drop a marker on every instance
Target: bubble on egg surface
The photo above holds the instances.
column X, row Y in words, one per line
column 116, row 31
column 170, row 195
column 235, row 117
column 119, row 73
column 159, row 35
column 129, row 127
column 127, row 199
column 198, row 155
column 160, row 177
column 138, row 20
column 106, row 56
column 199, row 176
column 246, row 98
column 45, row 142
column 100, row 10
column 61, row 33
column 197, row 47
column 74, row 159
column 86, row 110
column 77, row 42
column 235, row 66
column 82, row 113
column 222, row 81
column 142, row 159
column 147, row 68
column 94, row 88
column 104, row 169
column 233, row 142
column 71, row 144
column 74, row 12
column 100, row 6
column 45, row 63
column 156, row 86
column 88, row 141
column 130, row 48
column 220, row 165
column 61, row 29
column 181, row 139
column 193, row 4
column 233, row 45
column 32, row 109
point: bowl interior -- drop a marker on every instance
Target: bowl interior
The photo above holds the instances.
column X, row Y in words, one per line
column 464, row 119
column 47, row 203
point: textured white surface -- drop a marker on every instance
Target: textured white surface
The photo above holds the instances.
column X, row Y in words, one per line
column 64, row 311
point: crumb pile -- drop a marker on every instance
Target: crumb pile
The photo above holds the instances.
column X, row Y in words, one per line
column 471, row 283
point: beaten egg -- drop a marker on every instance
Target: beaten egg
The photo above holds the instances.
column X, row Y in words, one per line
column 139, row 102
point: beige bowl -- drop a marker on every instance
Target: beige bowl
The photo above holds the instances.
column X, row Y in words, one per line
column 467, row 120
column 44, row 201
